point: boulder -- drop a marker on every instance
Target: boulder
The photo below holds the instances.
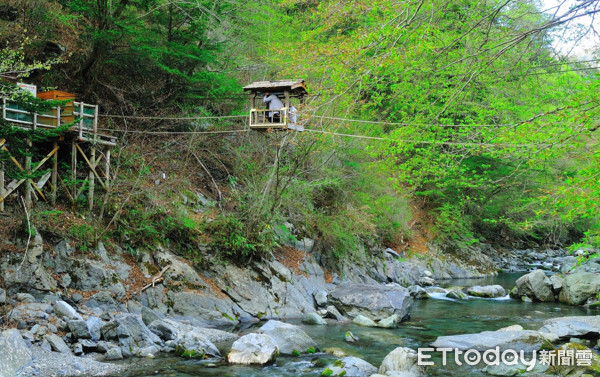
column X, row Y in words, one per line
column 577, row 369
column 57, row 344
column 79, row 329
column 402, row 361
column 374, row 301
column 579, row 286
column 149, row 315
column 288, row 337
column 130, row 332
column 457, row 294
column 163, row 329
column 535, row 285
column 62, row 309
column 489, row 291
column 418, row 292
column 320, row 298
column 17, row 357
column 113, row 354
column 525, row 340
column 332, row 312
column 2, row 296
column 94, row 325
column 390, row 322
column 351, row 366
column 195, row 343
column 361, row 320
column 253, row 349
column 587, row 327
column 313, row 319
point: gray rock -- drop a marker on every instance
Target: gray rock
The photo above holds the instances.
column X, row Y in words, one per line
column 88, row 345
column 418, row 292
column 253, row 349
column 130, row 331
column 579, row 286
column 103, row 300
column 62, row 309
column 401, row 361
column 163, row 329
column 535, row 285
column 517, row 340
column 354, row 367
column 113, row 354
column 313, row 318
column 489, row 291
column 77, row 297
column 350, row 338
column 94, row 325
column 2, row 296
column 46, row 346
column 557, row 283
column 215, row 311
column 77, row 349
column 15, row 353
column 426, row 281
column 288, row 337
column 195, row 343
column 573, row 327
column 375, row 301
column 332, row 312
column 390, row 322
column 362, row 320
column 79, row 329
column 320, row 298
column 515, row 370
column 457, row 294
column 149, row 315
column 57, row 344
column 25, row 297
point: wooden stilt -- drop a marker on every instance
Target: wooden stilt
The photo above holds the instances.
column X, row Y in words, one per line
column 28, row 172
column 107, row 168
column 2, row 187
column 74, row 170
column 54, row 174
column 91, row 178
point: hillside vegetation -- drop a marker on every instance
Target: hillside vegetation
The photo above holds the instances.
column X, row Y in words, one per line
column 472, row 127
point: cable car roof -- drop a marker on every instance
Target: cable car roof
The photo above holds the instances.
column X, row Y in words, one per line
column 296, row 86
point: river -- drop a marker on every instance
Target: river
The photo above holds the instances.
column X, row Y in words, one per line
column 430, row 318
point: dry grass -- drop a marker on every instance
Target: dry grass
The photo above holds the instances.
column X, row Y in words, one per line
column 292, row 258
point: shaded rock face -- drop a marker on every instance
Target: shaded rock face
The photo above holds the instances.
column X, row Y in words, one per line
column 535, row 285
column 253, row 349
column 489, row 291
column 579, row 286
column 526, row 340
column 288, row 337
column 372, row 301
column 573, row 327
column 19, row 355
column 402, row 361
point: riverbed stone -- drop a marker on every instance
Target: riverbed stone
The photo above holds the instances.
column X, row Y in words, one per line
column 488, row 291
column 374, row 301
column 535, row 285
column 390, row 322
column 320, row 298
column 130, row 331
column 113, row 354
column 573, row 327
column 579, row 286
column 402, row 361
column 288, row 337
column 333, row 313
column 15, row 353
column 313, row 318
column 362, row 320
column 57, row 343
column 418, row 292
column 62, row 309
column 253, row 349
column 79, row 329
column 525, row 340
column 149, row 315
column 457, row 294
column 351, row 366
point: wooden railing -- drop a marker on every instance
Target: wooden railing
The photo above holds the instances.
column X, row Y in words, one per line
column 259, row 119
column 86, row 115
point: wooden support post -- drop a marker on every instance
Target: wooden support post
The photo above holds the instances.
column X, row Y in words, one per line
column 54, row 174
column 28, row 172
column 284, row 116
column 2, row 187
column 74, row 169
column 107, row 168
column 91, row 178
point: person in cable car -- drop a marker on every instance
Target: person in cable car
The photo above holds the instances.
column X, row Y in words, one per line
column 273, row 103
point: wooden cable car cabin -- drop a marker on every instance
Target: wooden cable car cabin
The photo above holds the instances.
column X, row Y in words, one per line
column 262, row 117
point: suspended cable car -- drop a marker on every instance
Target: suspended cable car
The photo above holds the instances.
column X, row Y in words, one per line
column 270, row 103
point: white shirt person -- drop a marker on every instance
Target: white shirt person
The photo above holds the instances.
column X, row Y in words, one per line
column 273, row 103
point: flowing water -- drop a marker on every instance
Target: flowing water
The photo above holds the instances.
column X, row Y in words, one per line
column 430, row 318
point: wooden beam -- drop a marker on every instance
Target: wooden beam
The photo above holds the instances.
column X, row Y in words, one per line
column 74, row 170
column 28, row 172
column 107, row 167
column 2, row 186
column 54, row 174
column 92, row 166
column 91, row 178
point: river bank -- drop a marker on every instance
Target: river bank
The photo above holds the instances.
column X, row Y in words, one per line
column 114, row 305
